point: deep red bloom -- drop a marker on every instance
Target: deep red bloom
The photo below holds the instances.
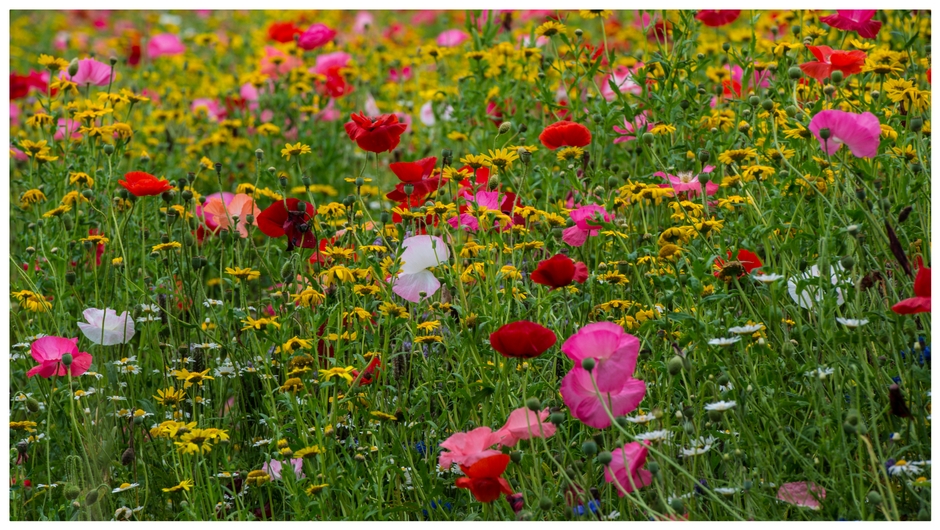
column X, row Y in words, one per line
column 555, row 272
column 522, row 339
column 368, row 375
column 416, row 174
column 565, row 133
column 20, row 84
column 731, row 88
column 142, row 184
column 483, row 478
column 376, row 136
column 99, row 249
column 277, row 220
column 283, row 31
column 857, row 20
column 847, row 62
column 714, row 18
column 920, row 303
column 335, row 84
column 580, row 272
column 748, row 260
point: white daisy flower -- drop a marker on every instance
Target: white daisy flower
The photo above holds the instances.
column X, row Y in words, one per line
column 725, row 341
column 721, row 405
column 725, row 491
column 903, row 467
column 124, row 487
column 767, row 278
column 210, row 302
column 655, row 436
column 148, row 318
column 804, row 289
column 150, row 308
column 852, row 322
column 822, row 372
column 750, row 329
column 640, row 418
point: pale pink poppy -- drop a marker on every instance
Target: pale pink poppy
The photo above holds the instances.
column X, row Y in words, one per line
column 860, row 132
column 624, row 468
column 421, row 253
column 688, row 182
column 106, row 327
column 524, row 424
column 806, row 494
column 211, row 107
column 14, row 113
column 18, row 155
column 91, row 72
column 276, row 63
column 165, row 44
column 630, row 129
column 623, row 79
column 614, row 350
column 466, row 448
column 576, row 235
column 68, row 127
column 364, row 19
column 274, row 468
column 581, row 398
column 316, row 36
column 452, row 37
column 329, row 60
column 241, row 206
column 48, row 352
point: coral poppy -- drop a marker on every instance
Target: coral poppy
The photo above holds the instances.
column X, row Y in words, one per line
column 283, row 31
column 421, row 253
column 565, row 133
column 376, row 136
column 920, row 302
column 48, row 352
column 585, row 404
column 106, row 327
column 141, row 184
column 624, row 468
column 275, row 468
column 576, row 235
column 316, row 36
column 829, row 60
column 239, row 207
column 806, row 494
column 715, row 18
column 524, row 424
column 860, row 132
column 614, row 350
column 483, row 478
column 522, row 339
column 745, row 263
column 857, row 20
column 279, row 220
column 467, row 448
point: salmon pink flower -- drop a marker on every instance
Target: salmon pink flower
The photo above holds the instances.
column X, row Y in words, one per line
column 376, row 136
column 715, row 18
column 860, row 132
column 48, row 352
column 289, row 220
column 806, row 494
column 142, row 184
column 576, row 235
column 829, row 60
column 240, row 206
column 689, row 183
column 452, row 37
column 522, row 339
column 208, row 217
column 165, row 44
column 614, row 350
column 482, row 202
column 106, row 327
column 524, row 424
column 857, row 20
column 564, row 133
column 421, row 253
column 316, row 36
column 467, row 448
column 483, row 478
column 91, row 72
column 624, row 468
column 920, row 303
column 585, row 404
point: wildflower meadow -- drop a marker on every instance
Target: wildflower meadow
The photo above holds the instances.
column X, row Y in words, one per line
column 470, row 265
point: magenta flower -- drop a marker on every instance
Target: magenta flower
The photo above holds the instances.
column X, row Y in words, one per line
column 164, row 44
column 585, row 404
column 524, row 424
column 68, row 127
column 688, row 182
column 859, row 132
column 857, row 20
column 630, row 130
column 806, row 494
column 48, row 352
column 576, row 235
column 482, row 202
column 614, row 350
column 91, row 72
column 466, row 448
column 316, row 35
column 274, row 468
column 452, row 37
column 625, row 470
column 623, row 79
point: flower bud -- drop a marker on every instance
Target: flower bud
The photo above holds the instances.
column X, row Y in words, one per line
column 259, row 154
column 32, row 404
column 648, row 137
column 703, row 156
column 825, row 133
column 753, row 101
column 836, row 77
column 557, row 418
column 73, row 67
column 874, row 497
column 794, row 72
column 515, row 456
column 578, row 33
column 726, row 46
column 505, row 127
column 533, row 404
column 589, row 448
column 829, row 90
column 72, row 492
column 128, row 457
column 917, row 124
column 409, row 189
column 67, row 359
column 91, row 497
column 674, row 365
column 848, row 262
column 605, row 458
column 677, row 505
column 545, row 503
column 588, row 364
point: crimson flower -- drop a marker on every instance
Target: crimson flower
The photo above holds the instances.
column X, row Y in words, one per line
column 368, row 375
column 283, row 31
column 376, row 136
column 417, row 175
column 279, row 220
column 714, row 18
column 565, row 133
column 335, row 84
column 142, row 184
column 483, row 478
column 857, row 20
column 847, row 62
column 559, row 271
column 20, row 84
column 745, row 262
column 920, row 303
column 522, row 339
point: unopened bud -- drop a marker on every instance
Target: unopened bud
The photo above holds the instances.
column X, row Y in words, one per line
column 67, row 359
column 73, row 67
column 505, row 127
column 588, row 364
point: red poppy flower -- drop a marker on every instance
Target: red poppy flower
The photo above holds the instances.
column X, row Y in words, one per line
column 283, row 31
column 417, row 175
column 714, row 18
column 368, row 375
column 20, row 84
column 580, row 272
column 565, row 133
column 142, row 184
column 522, row 339
column 731, row 88
column 555, row 272
column 279, row 220
column 483, row 478
column 847, row 62
column 920, row 303
column 376, row 136
column 335, row 84
column 745, row 262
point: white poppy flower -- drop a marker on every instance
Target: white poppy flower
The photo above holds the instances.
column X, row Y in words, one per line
column 106, row 327
column 421, row 253
column 804, row 289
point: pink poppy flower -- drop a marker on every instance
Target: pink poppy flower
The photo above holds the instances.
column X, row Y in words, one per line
column 106, row 327
column 210, row 107
column 688, row 182
column 276, row 63
column 207, row 217
column 68, row 127
column 806, row 494
column 330, row 60
column 860, row 132
column 583, row 401
column 240, row 206
column 481, row 202
column 18, row 155
column 421, row 253
column 364, row 19
column 576, row 235
column 524, row 424
column 165, row 44
column 316, row 36
column 91, row 72
column 48, row 352
column 623, row 79
column 274, row 468
column 625, row 470
column 396, row 76
column 452, row 37
column 467, row 448
column 857, row 20
column 614, row 350
column 15, row 113
column 630, row 129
